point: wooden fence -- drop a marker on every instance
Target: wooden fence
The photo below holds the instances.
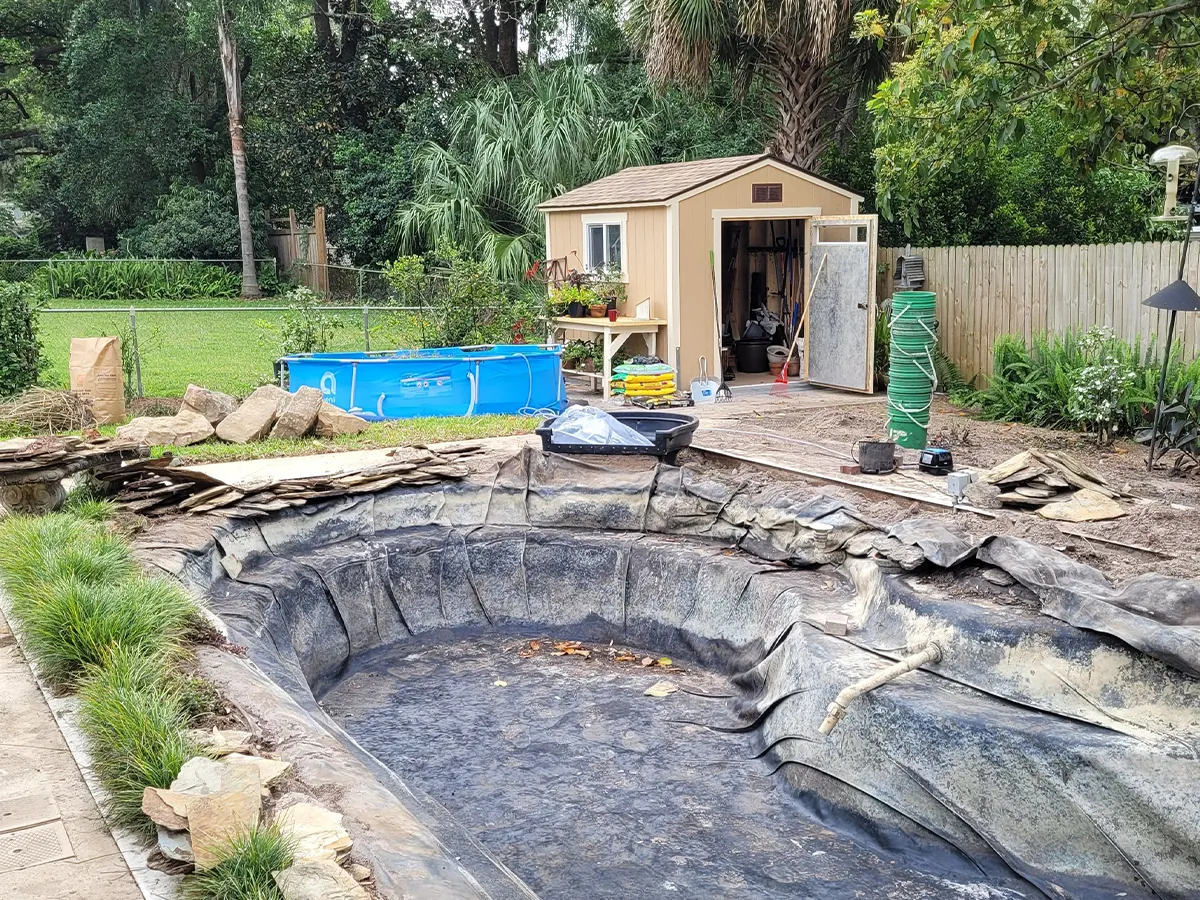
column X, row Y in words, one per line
column 983, row 292
column 300, row 250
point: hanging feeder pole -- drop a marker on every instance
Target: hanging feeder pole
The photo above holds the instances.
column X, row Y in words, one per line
column 1162, row 378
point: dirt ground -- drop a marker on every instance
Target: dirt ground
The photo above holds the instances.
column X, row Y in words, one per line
column 1164, row 514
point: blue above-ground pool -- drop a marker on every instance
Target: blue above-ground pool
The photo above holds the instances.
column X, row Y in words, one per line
column 450, row 381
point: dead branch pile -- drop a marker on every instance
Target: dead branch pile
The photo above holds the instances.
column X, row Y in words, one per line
column 154, row 488
column 42, row 411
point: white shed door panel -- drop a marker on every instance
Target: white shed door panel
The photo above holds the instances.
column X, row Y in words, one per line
column 839, row 339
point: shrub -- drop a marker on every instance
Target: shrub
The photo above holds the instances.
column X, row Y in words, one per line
column 192, row 223
column 245, row 869
column 303, row 328
column 20, row 349
column 135, row 722
column 462, row 303
column 36, row 550
column 72, row 625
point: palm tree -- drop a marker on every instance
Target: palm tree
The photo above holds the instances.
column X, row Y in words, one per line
column 231, row 71
column 516, row 144
column 802, row 48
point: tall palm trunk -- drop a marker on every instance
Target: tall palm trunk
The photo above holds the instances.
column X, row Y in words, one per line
column 802, row 95
column 227, row 42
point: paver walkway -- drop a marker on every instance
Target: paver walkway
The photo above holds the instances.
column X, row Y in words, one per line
column 53, row 842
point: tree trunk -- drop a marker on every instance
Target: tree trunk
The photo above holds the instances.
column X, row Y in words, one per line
column 802, row 96
column 535, row 31
column 227, row 42
column 491, row 37
column 509, row 18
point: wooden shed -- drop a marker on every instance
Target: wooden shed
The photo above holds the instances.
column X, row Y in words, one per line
column 755, row 228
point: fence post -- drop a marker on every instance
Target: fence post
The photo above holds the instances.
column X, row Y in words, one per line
column 367, row 326
column 137, row 357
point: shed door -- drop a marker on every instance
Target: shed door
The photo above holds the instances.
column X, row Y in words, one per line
column 839, row 339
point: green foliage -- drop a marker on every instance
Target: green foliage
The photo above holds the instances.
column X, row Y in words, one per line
column 58, row 546
column 110, row 278
column 304, row 328
column 514, row 145
column 1089, row 380
column 84, row 503
column 20, row 349
column 244, row 870
column 462, row 303
column 71, row 625
column 1114, row 76
column 1178, row 429
column 191, row 222
column 135, row 720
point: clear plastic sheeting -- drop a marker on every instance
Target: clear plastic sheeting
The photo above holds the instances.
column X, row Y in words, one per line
column 589, row 425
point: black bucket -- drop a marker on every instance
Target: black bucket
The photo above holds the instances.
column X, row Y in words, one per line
column 752, row 355
column 875, row 457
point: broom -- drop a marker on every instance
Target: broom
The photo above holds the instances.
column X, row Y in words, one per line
column 780, row 385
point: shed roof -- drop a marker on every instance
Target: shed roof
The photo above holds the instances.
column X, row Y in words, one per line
column 663, row 182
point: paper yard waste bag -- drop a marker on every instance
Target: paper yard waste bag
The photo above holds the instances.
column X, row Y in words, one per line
column 95, row 369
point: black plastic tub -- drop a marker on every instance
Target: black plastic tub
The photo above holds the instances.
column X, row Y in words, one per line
column 752, row 355
column 671, row 432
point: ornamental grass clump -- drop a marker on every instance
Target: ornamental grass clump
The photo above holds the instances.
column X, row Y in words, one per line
column 245, row 869
column 72, row 624
column 135, row 717
column 36, row 550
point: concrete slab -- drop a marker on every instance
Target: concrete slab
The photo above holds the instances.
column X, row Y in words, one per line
column 36, row 761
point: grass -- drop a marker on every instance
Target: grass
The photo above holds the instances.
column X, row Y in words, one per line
column 245, row 869
column 398, row 433
column 91, row 622
column 72, row 625
column 136, row 721
column 224, row 350
column 59, row 546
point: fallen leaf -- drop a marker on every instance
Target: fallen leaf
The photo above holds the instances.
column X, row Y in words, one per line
column 664, row 661
column 558, row 652
column 648, row 661
column 499, row 683
column 624, row 657
column 661, row 689
column 535, row 646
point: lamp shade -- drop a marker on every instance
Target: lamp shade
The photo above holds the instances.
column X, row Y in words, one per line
column 1178, row 296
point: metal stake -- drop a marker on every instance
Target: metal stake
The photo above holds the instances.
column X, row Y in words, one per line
column 137, row 357
column 367, row 326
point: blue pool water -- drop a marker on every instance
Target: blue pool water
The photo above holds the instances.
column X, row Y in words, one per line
column 449, row 381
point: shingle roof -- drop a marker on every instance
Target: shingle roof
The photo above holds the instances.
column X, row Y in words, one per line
column 657, row 184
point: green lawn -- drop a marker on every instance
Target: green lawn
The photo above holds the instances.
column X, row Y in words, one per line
column 225, row 349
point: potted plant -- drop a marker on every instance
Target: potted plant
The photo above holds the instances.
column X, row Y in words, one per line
column 575, row 352
column 574, row 299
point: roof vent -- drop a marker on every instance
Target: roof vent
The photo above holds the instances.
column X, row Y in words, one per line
column 767, row 193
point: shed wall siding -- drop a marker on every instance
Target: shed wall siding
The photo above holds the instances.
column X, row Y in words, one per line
column 645, row 251
column 696, row 326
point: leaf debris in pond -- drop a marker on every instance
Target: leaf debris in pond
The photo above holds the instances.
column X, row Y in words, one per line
column 663, row 662
column 570, row 648
column 499, row 683
column 661, row 689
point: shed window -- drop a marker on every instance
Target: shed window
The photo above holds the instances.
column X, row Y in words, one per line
column 766, row 193
column 604, row 246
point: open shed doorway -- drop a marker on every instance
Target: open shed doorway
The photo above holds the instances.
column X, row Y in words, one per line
column 761, row 275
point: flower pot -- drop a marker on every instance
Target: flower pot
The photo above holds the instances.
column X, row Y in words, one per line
column 775, row 367
column 586, row 365
column 598, row 310
column 794, row 367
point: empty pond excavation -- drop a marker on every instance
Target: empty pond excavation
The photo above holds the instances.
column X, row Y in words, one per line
column 556, row 678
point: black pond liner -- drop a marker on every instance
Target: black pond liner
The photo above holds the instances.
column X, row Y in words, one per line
column 930, row 788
